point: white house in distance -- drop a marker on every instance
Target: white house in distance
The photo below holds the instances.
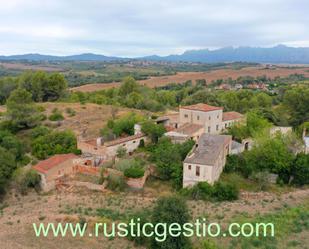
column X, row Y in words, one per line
column 207, row 159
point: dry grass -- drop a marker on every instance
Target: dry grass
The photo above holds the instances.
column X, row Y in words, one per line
column 208, row 76
column 88, row 119
column 22, row 211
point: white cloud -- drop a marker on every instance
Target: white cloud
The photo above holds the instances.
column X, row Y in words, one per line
column 133, row 28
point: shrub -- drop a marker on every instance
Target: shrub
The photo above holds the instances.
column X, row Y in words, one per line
column 121, row 152
column 56, row 142
column 134, row 172
column 57, row 116
column 225, row 192
column 25, row 179
column 70, row 111
column 39, row 131
column 116, row 182
column 300, row 169
column 203, row 191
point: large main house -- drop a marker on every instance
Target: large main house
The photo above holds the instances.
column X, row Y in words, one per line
column 203, row 123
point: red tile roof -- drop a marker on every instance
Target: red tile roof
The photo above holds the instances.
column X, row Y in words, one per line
column 231, row 116
column 52, row 162
column 202, row 107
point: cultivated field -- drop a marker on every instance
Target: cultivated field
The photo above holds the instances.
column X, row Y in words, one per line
column 22, row 66
column 208, row 76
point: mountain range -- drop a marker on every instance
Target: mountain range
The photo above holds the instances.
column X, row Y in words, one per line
column 277, row 54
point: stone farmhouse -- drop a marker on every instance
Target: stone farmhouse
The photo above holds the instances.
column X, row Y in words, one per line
column 207, row 159
column 54, row 168
column 103, row 151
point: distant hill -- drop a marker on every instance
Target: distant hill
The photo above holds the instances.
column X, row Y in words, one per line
column 80, row 57
column 278, row 54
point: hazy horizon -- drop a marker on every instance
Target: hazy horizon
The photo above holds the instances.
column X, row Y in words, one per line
column 181, row 52
column 132, row 29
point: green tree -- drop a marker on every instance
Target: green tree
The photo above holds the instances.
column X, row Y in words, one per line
column 296, row 100
column 11, row 143
column 300, row 169
column 167, row 158
column 153, row 130
column 170, row 210
column 25, row 179
column 43, row 86
column 56, row 142
column 270, row 154
column 128, row 86
column 21, row 110
column 7, row 85
column 7, row 166
column 125, row 124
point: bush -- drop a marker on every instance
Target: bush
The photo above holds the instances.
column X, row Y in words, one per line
column 57, row 116
column 25, row 179
column 225, row 192
column 134, row 172
column 300, row 170
column 121, row 152
column 116, row 182
column 56, row 142
column 221, row 191
column 39, row 131
column 70, row 111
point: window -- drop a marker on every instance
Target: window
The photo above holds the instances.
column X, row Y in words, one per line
column 186, row 115
column 189, row 167
column 217, row 116
column 225, row 125
column 198, row 117
column 209, row 118
column 217, row 127
column 197, row 171
column 208, row 129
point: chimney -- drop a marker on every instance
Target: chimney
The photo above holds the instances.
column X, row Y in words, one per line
column 137, row 129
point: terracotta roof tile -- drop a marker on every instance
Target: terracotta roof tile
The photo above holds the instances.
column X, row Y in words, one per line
column 44, row 166
column 202, row 107
column 231, row 116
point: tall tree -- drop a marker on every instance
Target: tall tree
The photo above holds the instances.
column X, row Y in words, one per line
column 170, row 210
column 21, row 110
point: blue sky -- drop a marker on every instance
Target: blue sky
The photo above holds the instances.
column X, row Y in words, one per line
column 145, row 27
